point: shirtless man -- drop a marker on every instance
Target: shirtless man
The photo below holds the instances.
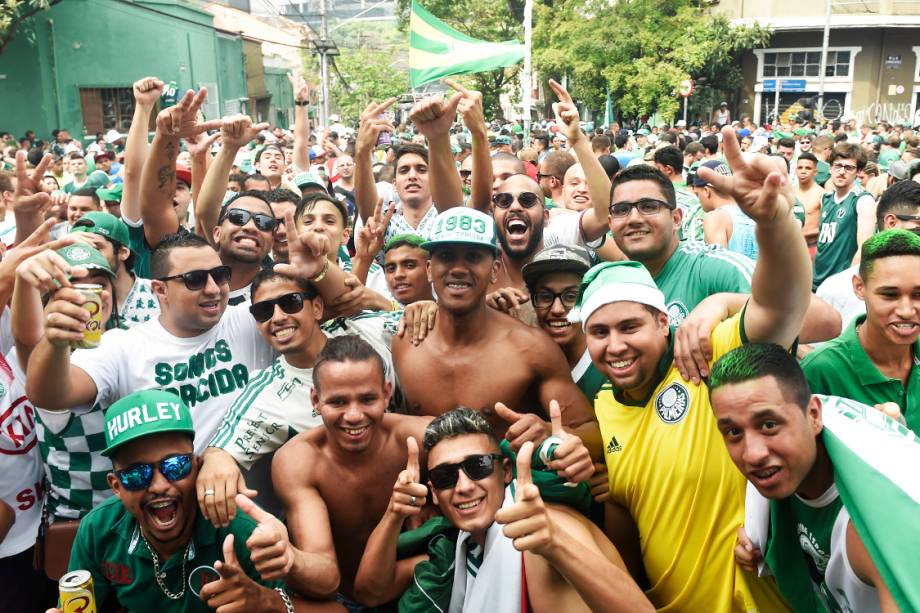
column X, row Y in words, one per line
column 809, row 193
column 568, row 564
column 334, row 481
column 511, row 363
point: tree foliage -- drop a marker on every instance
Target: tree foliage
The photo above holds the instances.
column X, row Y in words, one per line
column 371, row 75
column 641, row 50
column 486, row 20
column 14, row 12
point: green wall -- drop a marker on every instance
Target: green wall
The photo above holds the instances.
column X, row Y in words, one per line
column 109, row 43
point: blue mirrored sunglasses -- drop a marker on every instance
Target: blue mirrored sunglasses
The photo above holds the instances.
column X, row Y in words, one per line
column 138, row 476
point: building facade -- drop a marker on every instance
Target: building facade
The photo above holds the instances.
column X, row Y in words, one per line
column 872, row 71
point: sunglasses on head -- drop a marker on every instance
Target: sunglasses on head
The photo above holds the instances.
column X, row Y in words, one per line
column 477, row 467
column 240, row 217
column 195, row 280
column 290, row 303
column 503, row 200
column 138, row 477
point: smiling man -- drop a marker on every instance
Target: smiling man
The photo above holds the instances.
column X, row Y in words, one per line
column 141, row 545
column 657, row 429
column 244, row 236
column 471, row 342
column 875, row 360
column 839, row 527
column 334, row 481
column 276, row 404
column 405, row 264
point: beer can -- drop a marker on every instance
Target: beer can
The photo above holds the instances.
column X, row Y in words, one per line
column 92, row 292
column 77, row 595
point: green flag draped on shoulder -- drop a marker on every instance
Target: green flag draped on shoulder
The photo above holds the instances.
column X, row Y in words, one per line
column 437, row 50
column 875, row 463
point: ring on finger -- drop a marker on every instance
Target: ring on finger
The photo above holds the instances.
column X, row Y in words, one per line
column 209, row 492
column 412, row 500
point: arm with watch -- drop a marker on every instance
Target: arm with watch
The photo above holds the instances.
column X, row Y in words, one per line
column 301, row 123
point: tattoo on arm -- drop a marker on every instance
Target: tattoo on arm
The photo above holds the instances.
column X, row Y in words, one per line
column 164, row 176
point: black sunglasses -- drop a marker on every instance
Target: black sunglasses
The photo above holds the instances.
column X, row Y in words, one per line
column 138, row 476
column 477, row 467
column 196, row 279
column 291, row 303
column 241, row 217
column 503, row 200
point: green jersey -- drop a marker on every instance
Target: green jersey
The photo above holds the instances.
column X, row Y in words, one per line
column 110, row 546
column 814, row 523
column 837, row 233
column 138, row 244
column 588, row 379
column 841, row 368
column 697, row 270
column 823, row 174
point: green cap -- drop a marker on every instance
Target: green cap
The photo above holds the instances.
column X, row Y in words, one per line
column 103, row 224
column 144, row 413
column 97, row 179
column 561, row 258
column 642, row 132
column 777, row 134
column 113, row 194
column 462, row 225
column 306, row 179
column 885, row 158
column 502, row 139
column 87, row 256
column 615, row 282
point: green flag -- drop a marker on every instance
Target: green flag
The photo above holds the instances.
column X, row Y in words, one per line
column 437, row 50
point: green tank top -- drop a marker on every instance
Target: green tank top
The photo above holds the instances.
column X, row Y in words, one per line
column 836, row 235
column 814, row 525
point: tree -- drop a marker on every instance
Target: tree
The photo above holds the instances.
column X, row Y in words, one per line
column 641, row 50
column 370, row 75
column 485, row 20
column 14, row 12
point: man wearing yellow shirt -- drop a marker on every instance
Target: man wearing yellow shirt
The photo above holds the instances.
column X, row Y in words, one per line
column 663, row 455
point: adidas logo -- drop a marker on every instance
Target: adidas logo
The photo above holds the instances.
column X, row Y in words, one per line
column 614, row 445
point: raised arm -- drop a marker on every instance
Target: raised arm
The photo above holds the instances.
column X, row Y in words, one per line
column 474, row 119
column 146, row 93
column 235, row 132
column 781, row 285
column 158, row 180
column 199, row 147
column 314, row 568
column 433, row 117
column 594, row 220
column 301, row 122
column 29, row 201
column 369, row 130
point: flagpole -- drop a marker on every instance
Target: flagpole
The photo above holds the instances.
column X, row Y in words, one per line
column 525, row 78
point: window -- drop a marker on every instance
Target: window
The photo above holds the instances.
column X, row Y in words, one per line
column 107, row 108
column 805, row 64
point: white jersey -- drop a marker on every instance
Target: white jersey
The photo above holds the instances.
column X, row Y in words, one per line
column 206, row 371
column 565, row 229
column 837, row 291
column 276, row 404
column 20, row 463
column 139, row 305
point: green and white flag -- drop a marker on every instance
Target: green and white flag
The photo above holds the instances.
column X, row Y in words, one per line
column 876, row 462
column 437, row 50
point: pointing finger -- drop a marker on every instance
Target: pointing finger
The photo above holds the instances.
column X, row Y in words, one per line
column 229, row 553
column 253, row 510
column 456, row 86
column 506, row 414
column 412, row 462
column 523, row 465
column 555, row 417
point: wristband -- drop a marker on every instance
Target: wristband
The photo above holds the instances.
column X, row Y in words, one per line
column 301, row 103
column 322, row 273
column 288, row 605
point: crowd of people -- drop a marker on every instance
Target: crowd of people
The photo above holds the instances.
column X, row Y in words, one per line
column 444, row 365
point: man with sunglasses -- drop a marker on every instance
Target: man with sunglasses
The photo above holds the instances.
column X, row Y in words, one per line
column 135, row 300
column 276, row 404
column 145, row 546
column 513, row 552
column 197, row 348
column 244, row 236
column 658, row 427
column 471, row 342
column 847, row 214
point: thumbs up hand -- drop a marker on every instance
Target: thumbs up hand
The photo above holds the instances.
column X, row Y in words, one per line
column 571, row 459
column 526, row 522
column 522, row 427
column 409, row 494
column 234, row 591
column 269, row 545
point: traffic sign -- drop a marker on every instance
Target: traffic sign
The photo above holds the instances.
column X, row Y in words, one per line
column 685, row 88
column 786, row 85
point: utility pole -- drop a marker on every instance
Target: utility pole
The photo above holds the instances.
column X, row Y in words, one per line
column 324, row 65
column 824, row 45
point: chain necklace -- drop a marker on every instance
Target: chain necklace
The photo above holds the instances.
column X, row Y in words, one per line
column 161, row 575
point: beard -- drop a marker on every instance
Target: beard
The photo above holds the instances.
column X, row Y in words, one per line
column 532, row 246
